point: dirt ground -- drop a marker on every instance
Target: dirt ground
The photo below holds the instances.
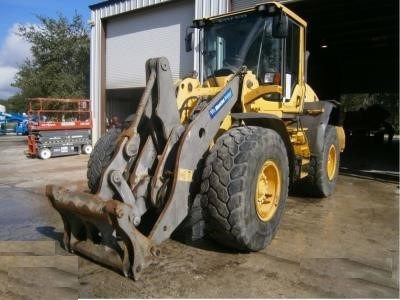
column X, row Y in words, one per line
column 345, row 246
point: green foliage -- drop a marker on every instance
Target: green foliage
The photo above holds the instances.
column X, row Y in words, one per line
column 60, row 61
column 16, row 103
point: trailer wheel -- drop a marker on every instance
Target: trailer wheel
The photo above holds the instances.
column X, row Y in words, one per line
column 87, row 149
column 245, row 186
column 324, row 168
column 44, row 153
column 100, row 158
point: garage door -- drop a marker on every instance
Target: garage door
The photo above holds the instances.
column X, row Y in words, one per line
column 133, row 38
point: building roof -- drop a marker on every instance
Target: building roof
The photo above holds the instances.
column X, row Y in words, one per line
column 111, row 2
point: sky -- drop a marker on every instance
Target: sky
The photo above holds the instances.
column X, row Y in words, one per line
column 13, row 49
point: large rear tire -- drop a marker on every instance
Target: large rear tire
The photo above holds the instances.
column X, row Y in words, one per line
column 100, row 157
column 244, row 187
column 324, row 168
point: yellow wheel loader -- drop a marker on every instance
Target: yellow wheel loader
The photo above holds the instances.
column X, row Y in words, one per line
column 223, row 148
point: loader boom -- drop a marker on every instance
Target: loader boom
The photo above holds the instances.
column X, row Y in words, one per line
column 105, row 214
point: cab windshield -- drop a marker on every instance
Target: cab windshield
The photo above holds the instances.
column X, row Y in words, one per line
column 239, row 40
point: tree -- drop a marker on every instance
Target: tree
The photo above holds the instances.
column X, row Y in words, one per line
column 16, row 103
column 60, row 61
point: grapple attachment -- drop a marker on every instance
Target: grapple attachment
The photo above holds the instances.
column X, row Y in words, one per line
column 102, row 230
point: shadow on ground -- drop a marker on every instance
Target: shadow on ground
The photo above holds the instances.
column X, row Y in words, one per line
column 368, row 158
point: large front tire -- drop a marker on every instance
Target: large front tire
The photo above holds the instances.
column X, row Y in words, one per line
column 244, row 187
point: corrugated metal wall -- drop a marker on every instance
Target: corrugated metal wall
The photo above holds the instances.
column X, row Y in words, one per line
column 204, row 8
column 241, row 4
column 207, row 8
column 112, row 9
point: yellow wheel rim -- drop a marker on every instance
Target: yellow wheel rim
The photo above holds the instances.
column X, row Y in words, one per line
column 268, row 191
column 331, row 162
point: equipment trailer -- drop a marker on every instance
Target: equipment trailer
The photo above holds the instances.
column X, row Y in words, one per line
column 223, row 148
column 59, row 127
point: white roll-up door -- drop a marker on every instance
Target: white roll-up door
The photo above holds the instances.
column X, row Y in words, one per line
column 133, row 38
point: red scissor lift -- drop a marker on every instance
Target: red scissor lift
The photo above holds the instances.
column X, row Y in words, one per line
column 59, row 127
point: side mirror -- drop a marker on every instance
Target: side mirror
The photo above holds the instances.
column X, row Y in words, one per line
column 280, row 26
column 189, row 41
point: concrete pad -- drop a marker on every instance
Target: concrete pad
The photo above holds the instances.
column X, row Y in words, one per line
column 344, row 246
column 29, row 248
column 39, row 277
column 68, row 264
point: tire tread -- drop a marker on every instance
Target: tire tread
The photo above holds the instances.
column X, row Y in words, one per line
column 224, row 187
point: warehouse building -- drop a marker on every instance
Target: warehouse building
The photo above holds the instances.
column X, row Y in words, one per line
column 353, row 45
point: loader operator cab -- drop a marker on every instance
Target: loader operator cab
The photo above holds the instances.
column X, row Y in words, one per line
column 265, row 40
